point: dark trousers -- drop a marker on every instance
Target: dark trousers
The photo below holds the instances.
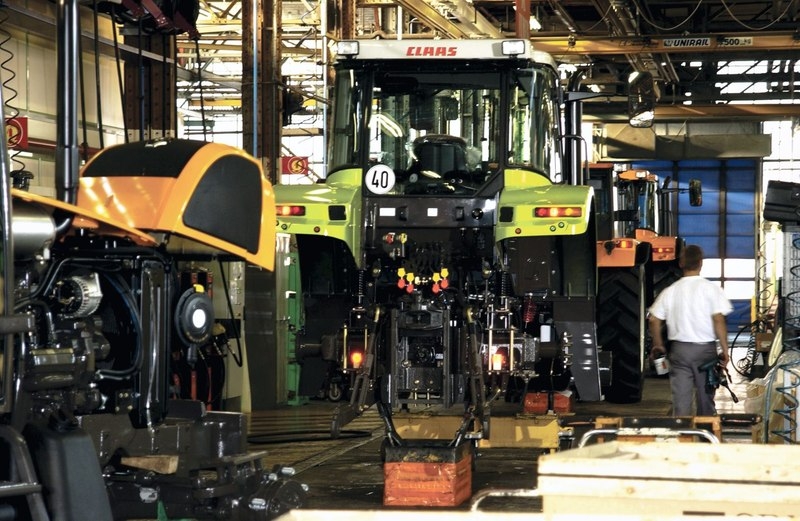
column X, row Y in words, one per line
column 686, row 381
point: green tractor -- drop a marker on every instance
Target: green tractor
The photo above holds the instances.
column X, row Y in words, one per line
column 447, row 258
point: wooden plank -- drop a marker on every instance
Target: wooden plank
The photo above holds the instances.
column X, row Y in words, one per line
column 720, row 462
column 672, row 479
column 626, row 497
column 522, row 431
column 161, row 464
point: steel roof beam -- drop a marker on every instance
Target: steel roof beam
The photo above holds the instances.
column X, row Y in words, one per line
column 676, row 44
column 434, row 19
column 713, row 112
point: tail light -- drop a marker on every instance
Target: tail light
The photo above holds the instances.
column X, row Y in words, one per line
column 291, row 211
column 558, row 211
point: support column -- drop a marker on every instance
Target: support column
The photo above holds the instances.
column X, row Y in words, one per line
column 150, row 87
column 523, row 19
column 347, row 31
column 262, row 97
column 262, row 103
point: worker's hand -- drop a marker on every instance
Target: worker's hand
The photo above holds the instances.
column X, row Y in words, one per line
column 657, row 351
column 724, row 358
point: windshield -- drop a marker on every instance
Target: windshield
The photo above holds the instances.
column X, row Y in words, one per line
column 444, row 130
column 637, row 200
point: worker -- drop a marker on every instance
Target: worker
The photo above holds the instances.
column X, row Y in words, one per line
column 694, row 310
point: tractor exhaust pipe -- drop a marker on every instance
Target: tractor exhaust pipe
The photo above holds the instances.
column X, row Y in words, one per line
column 67, row 158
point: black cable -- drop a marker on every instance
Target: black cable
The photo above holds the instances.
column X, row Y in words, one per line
column 744, row 365
column 166, row 90
column 98, row 91
column 82, row 87
column 200, row 87
column 118, row 60
column 140, row 70
column 20, row 176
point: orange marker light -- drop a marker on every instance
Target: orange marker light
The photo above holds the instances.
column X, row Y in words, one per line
column 497, row 361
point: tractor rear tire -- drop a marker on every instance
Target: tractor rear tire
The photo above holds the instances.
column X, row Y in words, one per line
column 664, row 274
column 621, row 330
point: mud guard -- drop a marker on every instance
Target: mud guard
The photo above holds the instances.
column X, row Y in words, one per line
column 575, row 316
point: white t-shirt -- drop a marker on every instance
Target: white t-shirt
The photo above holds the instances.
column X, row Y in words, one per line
column 688, row 305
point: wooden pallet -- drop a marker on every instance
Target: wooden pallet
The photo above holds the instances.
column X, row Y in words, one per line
column 647, row 429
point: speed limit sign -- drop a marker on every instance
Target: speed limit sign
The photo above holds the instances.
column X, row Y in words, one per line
column 379, row 179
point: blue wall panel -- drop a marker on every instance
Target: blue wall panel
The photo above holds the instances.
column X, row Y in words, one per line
column 741, row 224
column 739, row 248
column 698, row 225
column 740, row 315
column 725, row 225
column 711, row 204
column 741, row 202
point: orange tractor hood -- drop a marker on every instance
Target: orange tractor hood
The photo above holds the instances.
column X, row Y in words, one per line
column 210, row 193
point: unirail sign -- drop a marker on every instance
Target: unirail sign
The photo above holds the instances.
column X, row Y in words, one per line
column 704, row 41
column 735, row 41
column 688, row 42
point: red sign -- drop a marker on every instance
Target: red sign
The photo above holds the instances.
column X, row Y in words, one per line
column 294, row 165
column 17, row 132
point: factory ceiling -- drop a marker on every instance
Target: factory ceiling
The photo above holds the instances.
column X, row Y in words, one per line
column 709, row 53
column 708, row 57
column 711, row 59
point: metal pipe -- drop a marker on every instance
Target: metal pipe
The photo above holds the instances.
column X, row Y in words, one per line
column 573, row 114
column 67, row 157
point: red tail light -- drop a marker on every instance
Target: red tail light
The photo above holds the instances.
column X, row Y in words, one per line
column 291, row 211
column 558, row 211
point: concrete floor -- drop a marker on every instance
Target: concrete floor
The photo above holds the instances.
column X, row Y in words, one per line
column 347, row 473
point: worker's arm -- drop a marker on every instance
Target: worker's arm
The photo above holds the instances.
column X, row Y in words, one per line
column 721, row 330
column 656, row 326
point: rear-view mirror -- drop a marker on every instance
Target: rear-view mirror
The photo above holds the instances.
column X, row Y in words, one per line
column 642, row 99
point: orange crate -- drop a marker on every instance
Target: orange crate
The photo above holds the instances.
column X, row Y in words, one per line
column 429, row 475
column 539, row 403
